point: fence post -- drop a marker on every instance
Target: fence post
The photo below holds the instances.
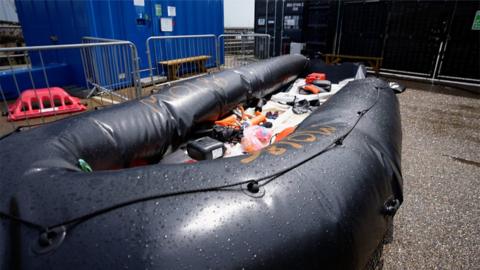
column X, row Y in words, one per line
column 150, row 67
column 217, row 52
column 136, row 72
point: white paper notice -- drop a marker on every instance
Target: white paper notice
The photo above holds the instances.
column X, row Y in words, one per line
column 171, row 11
column 140, row 3
column 290, row 22
column 166, row 24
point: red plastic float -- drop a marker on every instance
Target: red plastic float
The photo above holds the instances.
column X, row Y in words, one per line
column 315, row 76
column 34, row 103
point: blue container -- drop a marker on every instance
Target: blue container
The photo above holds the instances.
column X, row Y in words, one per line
column 58, row 75
column 49, row 22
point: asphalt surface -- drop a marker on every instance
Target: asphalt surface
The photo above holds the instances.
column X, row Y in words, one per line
column 438, row 225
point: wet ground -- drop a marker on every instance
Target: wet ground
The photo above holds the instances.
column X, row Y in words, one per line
column 438, row 225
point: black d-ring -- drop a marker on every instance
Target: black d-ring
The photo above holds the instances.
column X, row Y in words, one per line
column 391, row 206
column 253, row 189
column 49, row 240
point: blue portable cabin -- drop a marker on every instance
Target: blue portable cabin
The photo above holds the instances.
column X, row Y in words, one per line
column 51, row 22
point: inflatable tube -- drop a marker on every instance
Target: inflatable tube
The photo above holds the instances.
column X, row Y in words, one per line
column 321, row 198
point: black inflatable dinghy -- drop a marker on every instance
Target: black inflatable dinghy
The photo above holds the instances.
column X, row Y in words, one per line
column 324, row 197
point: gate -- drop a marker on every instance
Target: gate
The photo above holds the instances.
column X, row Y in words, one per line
column 427, row 39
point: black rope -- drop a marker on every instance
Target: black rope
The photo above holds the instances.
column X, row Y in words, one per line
column 23, row 221
column 19, row 129
column 80, row 219
column 258, row 181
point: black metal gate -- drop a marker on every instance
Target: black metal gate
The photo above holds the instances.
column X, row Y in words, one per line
column 432, row 39
column 461, row 51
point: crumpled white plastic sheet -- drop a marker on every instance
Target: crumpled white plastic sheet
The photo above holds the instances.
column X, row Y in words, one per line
column 293, row 93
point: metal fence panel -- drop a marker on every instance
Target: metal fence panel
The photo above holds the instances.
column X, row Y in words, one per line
column 461, row 52
column 424, row 39
column 108, row 70
column 111, row 68
column 171, row 58
column 242, row 49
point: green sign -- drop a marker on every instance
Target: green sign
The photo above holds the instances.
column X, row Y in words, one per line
column 476, row 21
column 158, row 10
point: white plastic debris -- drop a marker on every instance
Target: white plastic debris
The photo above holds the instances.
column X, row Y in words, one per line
column 272, row 107
column 286, row 120
column 233, row 149
column 293, row 93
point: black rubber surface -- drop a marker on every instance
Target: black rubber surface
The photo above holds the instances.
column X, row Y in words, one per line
column 318, row 198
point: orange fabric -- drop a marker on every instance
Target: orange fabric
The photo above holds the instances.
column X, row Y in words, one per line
column 284, row 133
column 258, row 119
column 311, row 88
column 227, row 121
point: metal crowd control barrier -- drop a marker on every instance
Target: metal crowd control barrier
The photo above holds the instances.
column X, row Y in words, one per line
column 111, row 70
column 171, row 58
column 107, row 68
column 242, row 49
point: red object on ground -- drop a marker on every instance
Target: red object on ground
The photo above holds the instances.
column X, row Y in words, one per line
column 34, row 103
column 315, row 76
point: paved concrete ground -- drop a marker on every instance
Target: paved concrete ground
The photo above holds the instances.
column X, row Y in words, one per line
column 438, row 225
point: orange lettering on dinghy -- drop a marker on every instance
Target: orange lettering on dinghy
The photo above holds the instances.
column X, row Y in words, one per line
column 292, row 140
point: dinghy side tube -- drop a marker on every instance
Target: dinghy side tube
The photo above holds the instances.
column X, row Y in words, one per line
column 112, row 138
